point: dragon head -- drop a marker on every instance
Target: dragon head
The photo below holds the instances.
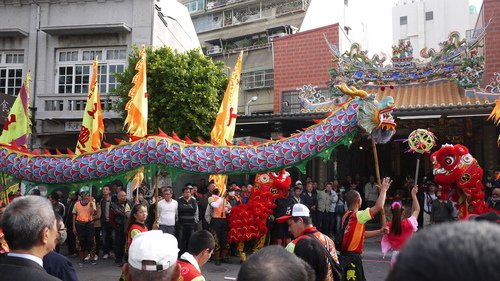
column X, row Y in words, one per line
column 374, row 117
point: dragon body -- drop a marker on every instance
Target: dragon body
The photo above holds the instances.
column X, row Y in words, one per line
column 460, row 177
column 196, row 157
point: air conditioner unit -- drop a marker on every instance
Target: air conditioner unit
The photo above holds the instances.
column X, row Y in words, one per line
column 276, row 35
column 213, row 50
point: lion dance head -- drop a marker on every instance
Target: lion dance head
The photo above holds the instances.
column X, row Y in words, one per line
column 460, row 177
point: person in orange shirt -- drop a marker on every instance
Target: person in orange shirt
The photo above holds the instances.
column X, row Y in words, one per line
column 218, row 226
column 83, row 224
column 354, row 233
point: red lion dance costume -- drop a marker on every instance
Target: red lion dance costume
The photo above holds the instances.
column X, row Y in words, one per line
column 461, row 178
column 249, row 221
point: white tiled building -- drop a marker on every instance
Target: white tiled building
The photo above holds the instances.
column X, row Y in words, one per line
column 426, row 23
column 58, row 39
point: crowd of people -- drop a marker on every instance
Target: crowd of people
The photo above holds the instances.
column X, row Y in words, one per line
column 319, row 229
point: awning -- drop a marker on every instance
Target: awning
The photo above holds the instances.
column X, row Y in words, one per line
column 13, row 32
column 104, row 28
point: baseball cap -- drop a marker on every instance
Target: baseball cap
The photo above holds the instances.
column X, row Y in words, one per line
column 153, row 251
column 298, row 182
column 298, row 210
column 85, row 189
column 189, row 186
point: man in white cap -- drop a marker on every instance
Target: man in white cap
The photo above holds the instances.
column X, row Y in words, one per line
column 301, row 227
column 152, row 257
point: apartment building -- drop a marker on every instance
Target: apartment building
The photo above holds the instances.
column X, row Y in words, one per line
column 225, row 27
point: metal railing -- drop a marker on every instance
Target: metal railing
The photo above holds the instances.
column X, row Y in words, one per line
column 71, row 106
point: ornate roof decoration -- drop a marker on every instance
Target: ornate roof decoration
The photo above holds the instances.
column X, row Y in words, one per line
column 313, row 99
column 457, row 60
column 491, row 91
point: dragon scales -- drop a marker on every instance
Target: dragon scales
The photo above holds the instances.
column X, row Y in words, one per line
column 200, row 158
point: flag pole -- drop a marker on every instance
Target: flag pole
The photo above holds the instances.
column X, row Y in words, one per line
column 156, row 196
column 377, row 176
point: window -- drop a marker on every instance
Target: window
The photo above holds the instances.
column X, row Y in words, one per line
column 91, row 55
column 403, row 20
column 468, row 34
column 118, row 54
column 106, row 104
column 195, row 6
column 68, row 56
column 11, row 72
column 258, row 79
column 74, row 68
column 429, row 15
column 14, row 58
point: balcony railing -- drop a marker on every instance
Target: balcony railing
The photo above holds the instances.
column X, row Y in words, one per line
column 220, row 3
column 248, row 13
column 71, row 106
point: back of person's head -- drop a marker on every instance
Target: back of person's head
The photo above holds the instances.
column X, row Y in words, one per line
column 152, row 257
column 312, row 252
column 456, row 251
column 24, row 220
column 54, row 196
column 200, row 241
column 396, row 211
column 35, row 191
column 351, row 198
column 273, row 263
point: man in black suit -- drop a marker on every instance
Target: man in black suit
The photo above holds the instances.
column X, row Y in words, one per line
column 30, row 229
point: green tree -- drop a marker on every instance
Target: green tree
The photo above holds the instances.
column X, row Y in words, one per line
column 185, row 91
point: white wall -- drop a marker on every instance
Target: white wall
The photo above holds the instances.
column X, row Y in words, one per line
column 327, row 12
column 179, row 33
column 449, row 15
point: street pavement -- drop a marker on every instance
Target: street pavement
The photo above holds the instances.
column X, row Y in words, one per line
column 376, row 268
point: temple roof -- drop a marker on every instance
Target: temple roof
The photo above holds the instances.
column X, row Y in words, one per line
column 434, row 95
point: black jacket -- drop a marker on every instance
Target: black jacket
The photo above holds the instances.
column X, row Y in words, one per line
column 15, row 269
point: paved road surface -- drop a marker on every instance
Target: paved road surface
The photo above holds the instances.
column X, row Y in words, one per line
column 376, row 268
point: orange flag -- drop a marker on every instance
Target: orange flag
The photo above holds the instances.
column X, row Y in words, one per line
column 137, row 110
column 92, row 129
column 225, row 123
column 137, row 107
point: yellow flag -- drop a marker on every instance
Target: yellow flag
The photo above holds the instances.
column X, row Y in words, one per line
column 225, row 123
column 17, row 127
column 137, row 107
column 137, row 110
column 92, row 129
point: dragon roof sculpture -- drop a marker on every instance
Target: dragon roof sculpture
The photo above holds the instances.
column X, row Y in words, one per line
column 457, row 60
